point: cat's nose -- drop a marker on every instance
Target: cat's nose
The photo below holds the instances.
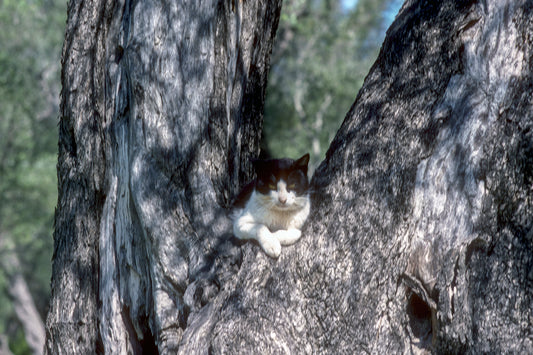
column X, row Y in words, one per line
column 282, row 199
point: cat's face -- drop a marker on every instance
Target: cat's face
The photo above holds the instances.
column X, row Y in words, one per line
column 282, row 183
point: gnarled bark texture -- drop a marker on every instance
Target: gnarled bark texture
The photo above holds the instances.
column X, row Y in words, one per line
column 420, row 237
column 161, row 105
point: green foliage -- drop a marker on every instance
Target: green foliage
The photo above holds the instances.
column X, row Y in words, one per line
column 18, row 343
column 30, row 49
column 321, row 56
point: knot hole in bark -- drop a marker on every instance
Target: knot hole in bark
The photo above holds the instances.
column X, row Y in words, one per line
column 419, row 315
column 421, row 311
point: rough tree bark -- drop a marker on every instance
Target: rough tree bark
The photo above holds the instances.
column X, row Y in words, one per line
column 421, row 233
column 420, row 239
column 161, row 112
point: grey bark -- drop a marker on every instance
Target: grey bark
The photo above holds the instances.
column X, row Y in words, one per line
column 420, row 237
column 161, row 111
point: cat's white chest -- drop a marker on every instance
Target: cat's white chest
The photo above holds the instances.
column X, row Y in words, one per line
column 275, row 219
column 278, row 206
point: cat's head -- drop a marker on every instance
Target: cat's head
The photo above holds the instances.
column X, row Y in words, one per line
column 283, row 183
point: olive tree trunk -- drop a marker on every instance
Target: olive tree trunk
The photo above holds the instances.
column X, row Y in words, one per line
column 420, row 236
column 161, row 111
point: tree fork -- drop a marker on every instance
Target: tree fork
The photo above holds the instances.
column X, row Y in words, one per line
column 420, row 234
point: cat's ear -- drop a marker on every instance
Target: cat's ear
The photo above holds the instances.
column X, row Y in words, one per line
column 302, row 162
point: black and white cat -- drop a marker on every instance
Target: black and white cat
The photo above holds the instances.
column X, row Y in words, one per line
column 273, row 208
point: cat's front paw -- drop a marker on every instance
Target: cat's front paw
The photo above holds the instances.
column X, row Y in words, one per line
column 270, row 244
column 288, row 237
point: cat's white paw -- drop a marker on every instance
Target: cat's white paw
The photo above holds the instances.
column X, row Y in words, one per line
column 270, row 244
column 288, row 237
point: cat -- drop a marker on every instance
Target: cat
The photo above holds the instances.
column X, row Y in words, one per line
column 273, row 208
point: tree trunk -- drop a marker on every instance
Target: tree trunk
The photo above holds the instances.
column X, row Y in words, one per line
column 161, row 114
column 420, row 236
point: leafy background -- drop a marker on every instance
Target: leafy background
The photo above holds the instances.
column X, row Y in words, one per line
column 322, row 53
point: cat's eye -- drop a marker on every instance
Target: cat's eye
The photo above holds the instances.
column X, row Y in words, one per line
column 272, row 187
column 291, row 186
